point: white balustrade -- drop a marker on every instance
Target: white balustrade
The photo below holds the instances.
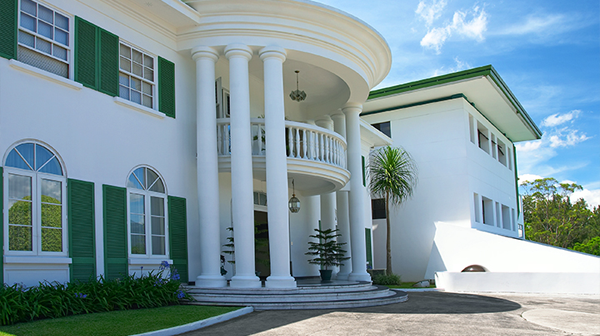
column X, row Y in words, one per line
column 303, row 141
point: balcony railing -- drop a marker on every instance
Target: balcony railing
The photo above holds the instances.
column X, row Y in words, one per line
column 303, row 141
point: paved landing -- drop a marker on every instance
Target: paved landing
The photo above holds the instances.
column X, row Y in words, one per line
column 431, row 313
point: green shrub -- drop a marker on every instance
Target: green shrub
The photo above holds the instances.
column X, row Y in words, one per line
column 387, row 280
column 50, row 300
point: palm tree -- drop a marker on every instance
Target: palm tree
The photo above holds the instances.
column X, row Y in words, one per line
column 393, row 176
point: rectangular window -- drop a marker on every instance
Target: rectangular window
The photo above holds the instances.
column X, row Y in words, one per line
column 502, row 153
column 494, row 146
column 378, row 208
column 384, row 128
column 487, row 206
column 43, row 38
column 483, row 139
column 506, row 222
column 136, row 76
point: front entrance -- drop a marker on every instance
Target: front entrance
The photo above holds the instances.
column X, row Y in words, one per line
column 261, row 244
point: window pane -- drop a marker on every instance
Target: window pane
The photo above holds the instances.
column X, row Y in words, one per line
column 52, row 167
column 26, row 39
column 125, row 51
column 51, row 215
column 125, row 64
column 140, row 173
column 26, row 151
column 42, row 155
column 43, row 46
column 59, row 52
column 137, row 69
column 136, row 204
column 61, row 21
column 133, row 182
column 15, row 160
column 136, row 97
column 19, row 212
column 136, row 56
column 147, row 101
column 148, row 74
column 158, row 226
column 158, row 206
column 138, row 244
column 29, row 7
column 45, row 14
column 52, row 240
column 158, row 245
column 124, row 93
column 51, row 191
column 123, row 79
column 19, row 238
column 158, row 187
column 19, row 187
column 137, row 224
column 148, row 62
column 147, row 88
column 28, row 22
column 45, row 29
column 61, row 36
column 152, row 176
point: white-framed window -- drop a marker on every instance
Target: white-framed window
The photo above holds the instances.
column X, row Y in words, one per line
column 136, row 76
column 44, row 36
column 147, row 205
column 35, row 197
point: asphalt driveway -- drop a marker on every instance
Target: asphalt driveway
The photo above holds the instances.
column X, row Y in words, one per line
column 431, row 313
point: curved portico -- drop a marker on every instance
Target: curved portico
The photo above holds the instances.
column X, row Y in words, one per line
column 250, row 51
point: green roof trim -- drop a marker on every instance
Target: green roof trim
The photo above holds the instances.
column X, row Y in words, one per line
column 424, row 102
column 487, row 70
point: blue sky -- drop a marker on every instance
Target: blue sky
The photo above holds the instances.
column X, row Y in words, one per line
column 548, row 53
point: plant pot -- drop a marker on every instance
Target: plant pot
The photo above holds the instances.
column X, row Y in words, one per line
column 325, row 275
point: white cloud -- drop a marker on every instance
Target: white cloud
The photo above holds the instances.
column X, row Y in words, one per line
column 431, row 12
column 592, row 197
column 524, row 147
column 536, row 25
column 529, row 178
column 558, row 119
column 459, row 65
column 566, row 137
column 473, row 29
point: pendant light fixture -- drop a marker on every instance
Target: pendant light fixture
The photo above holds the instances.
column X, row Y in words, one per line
column 294, row 203
column 297, row 95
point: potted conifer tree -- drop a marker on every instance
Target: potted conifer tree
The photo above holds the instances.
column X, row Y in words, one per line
column 327, row 252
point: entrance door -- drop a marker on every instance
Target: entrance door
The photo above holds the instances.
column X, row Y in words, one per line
column 261, row 244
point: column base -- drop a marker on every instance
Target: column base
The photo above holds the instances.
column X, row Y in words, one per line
column 343, row 276
column 211, row 281
column 359, row 277
column 280, row 282
column 240, row 281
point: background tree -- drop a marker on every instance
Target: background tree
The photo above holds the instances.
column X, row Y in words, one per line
column 551, row 218
column 393, row 177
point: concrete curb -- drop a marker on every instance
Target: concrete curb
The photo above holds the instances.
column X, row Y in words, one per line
column 418, row 289
column 199, row 324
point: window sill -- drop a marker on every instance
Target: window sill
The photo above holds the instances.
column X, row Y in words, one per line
column 148, row 261
column 138, row 107
column 36, row 260
column 44, row 74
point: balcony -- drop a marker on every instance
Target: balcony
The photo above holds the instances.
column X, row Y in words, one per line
column 316, row 157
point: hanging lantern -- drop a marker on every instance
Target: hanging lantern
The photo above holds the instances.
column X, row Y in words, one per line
column 294, row 202
column 297, row 95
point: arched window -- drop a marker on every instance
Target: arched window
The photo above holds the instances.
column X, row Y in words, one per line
column 147, row 213
column 34, row 185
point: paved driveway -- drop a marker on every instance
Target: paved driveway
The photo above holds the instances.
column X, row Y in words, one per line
column 431, row 313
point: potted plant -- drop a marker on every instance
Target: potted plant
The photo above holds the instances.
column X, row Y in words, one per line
column 327, row 251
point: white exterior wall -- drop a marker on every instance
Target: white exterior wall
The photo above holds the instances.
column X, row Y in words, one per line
column 450, row 170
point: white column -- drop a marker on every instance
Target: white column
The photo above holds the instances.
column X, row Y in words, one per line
column 241, row 167
column 328, row 199
column 312, row 208
column 343, row 221
column 207, row 168
column 357, row 204
column 276, row 166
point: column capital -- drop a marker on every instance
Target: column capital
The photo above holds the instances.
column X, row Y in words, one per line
column 238, row 50
column 273, row 51
column 325, row 122
column 352, row 108
column 205, row 52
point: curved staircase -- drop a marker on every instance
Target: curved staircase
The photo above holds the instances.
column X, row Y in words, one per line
column 311, row 295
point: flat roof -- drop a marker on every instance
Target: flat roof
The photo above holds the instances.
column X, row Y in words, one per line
column 482, row 87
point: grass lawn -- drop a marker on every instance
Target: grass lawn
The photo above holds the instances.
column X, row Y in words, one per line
column 124, row 322
column 408, row 285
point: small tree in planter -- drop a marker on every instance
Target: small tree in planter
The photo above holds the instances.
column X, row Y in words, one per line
column 327, row 251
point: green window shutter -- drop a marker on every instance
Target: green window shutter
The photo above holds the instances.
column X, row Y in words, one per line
column 166, row 87
column 369, row 248
column 8, row 28
column 82, row 247
column 115, row 232
column 364, row 171
column 86, row 58
column 178, row 236
column 108, row 69
column 1, row 229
